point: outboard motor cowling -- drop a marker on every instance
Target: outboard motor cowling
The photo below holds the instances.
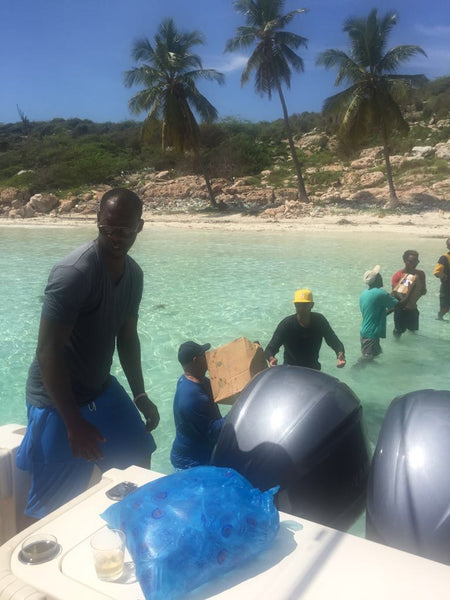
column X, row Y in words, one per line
column 300, row 429
column 408, row 496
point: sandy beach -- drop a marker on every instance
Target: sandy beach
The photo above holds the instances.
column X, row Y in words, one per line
column 426, row 224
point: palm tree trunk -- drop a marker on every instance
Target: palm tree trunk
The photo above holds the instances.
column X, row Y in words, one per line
column 393, row 201
column 212, row 198
column 201, row 162
column 301, row 183
column 163, row 136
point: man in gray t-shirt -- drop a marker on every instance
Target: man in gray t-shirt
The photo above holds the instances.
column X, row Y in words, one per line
column 78, row 414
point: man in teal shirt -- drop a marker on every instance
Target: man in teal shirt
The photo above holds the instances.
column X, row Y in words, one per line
column 374, row 304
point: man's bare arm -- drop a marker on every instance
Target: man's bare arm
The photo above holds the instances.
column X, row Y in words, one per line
column 129, row 350
column 51, row 351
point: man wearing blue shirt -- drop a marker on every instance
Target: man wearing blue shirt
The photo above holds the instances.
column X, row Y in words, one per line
column 197, row 417
column 374, row 304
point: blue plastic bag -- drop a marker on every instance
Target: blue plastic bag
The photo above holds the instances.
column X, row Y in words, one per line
column 190, row 527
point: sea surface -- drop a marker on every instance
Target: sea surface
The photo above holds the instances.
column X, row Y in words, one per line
column 213, row 286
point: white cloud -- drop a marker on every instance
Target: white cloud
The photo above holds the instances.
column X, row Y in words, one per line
column 228, row 63
column 435, row 30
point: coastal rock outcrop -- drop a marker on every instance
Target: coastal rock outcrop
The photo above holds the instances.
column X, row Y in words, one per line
column 43, row 203
column 360, row 183
column 443, row 150
column 422, row 151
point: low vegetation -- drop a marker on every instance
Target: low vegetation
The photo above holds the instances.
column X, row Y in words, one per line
column 67, row 156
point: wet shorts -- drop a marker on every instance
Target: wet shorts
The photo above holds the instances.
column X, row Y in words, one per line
column 370, row 347
column 56, row 475
column 444, row 298
column 406, row 319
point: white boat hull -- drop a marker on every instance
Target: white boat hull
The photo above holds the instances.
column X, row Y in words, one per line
column 307, row 561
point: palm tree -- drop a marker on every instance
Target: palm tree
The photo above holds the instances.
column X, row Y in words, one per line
column 169, row 71
column 371, row 103
column 273, row 56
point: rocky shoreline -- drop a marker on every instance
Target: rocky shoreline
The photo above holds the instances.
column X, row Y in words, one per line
column 434, row 224
column 358, row 186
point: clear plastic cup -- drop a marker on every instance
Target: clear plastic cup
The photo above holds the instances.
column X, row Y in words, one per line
column 39, row 548
column 108, row 549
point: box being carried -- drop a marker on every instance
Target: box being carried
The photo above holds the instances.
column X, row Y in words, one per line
column 405, row 284
column 232, row 366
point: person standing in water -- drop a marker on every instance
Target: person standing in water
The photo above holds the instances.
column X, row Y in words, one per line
column 301, row 336
column 442, row 272
column 198, row 421
column 374, row 304
column 408, row 284
column 78, row 413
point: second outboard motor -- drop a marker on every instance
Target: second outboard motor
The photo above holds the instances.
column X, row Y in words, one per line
column 300, row 429
column 408, row 495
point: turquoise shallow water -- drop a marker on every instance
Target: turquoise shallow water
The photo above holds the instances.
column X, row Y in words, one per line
column 216, row 286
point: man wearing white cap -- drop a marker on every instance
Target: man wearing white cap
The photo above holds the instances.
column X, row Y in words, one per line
column 301, row 336
column 374, row 302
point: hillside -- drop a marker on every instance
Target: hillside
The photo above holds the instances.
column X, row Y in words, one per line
column 62, row 165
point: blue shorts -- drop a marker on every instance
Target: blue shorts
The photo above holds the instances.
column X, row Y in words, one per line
column 56, row 475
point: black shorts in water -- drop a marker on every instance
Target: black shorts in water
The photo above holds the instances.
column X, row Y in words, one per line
column 370, row 348
column 444, row 297
column 406, row 319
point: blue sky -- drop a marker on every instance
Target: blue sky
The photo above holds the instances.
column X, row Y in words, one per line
column 66, row 58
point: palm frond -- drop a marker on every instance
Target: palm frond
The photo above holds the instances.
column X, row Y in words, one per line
column 253, row 64
column 388, row 111
column 259, row 12
column 287, row 18
column 290, row 39
column 279, row 68
column 144, row 75
column 147, row 100
column 385, row 26
column 356, row 119
column 292, row 58
column 207, row 74
column 202, row 105
column 143, row 51
column 396, row 56
column 348, row 69
column 331, row 58
column 244, row 38
column 338, row 103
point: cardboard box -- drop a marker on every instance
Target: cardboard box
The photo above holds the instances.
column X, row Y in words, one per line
column 405, row 284
column 232, row 366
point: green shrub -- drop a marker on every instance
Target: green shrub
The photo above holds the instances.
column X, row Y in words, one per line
column 322, row 178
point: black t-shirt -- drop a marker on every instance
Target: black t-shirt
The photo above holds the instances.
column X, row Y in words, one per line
column 302, row 344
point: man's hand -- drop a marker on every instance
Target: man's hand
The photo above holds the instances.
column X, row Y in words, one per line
column 272, row 361
column 84, row 439
column 341, row 362
column 150, row 412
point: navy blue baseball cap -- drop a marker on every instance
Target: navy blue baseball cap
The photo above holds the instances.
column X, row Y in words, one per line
column 189, row 350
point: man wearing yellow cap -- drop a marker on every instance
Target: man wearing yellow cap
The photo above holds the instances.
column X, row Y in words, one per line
column 301, row 336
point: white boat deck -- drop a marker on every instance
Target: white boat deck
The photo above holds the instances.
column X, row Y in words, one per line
column 307, row 561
